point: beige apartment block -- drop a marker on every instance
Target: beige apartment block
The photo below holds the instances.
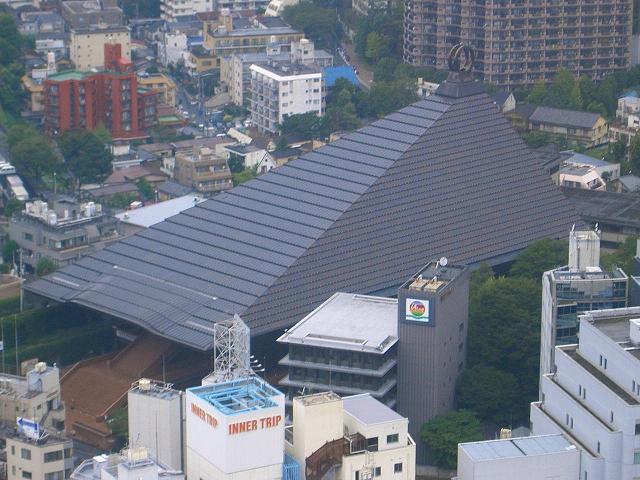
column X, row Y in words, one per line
column 87, row 46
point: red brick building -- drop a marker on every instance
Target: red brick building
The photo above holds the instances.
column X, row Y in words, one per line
column 83, row 100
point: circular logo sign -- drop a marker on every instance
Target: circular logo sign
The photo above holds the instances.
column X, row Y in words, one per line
column 417, row 309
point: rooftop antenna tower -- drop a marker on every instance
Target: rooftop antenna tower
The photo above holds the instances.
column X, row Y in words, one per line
column 231, row 347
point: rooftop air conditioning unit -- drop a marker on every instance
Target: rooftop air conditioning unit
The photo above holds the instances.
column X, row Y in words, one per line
column 144, row 384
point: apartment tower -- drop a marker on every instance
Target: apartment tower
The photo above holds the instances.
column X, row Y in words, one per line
column 520, row 43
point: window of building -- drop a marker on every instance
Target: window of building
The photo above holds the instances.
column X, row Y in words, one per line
column 357, row 475
column 13, row 448
column 28, row 236
column 26, row 474
column 377, row 471
column 372, row 444
column 25, row 453
column 392, row 438
column 397, row 468
column 636, row 457
column 598, row 447
column 54, row 476
column 53, row 456
column 637, row 428
column 612, row 416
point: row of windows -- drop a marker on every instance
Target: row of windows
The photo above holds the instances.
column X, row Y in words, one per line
column 377, row 471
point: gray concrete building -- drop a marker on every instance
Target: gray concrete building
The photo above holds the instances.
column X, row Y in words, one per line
column 348, row 345
column 63, row 232
column 433, row 313
column 520, row 43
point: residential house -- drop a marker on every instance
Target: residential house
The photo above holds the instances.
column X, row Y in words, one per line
column 87, row 47
column 577, row 127
column 626, row 184
column 162, row 83
column 252, row 157
column 627, row 121
column 202, row 170
column 505, row 101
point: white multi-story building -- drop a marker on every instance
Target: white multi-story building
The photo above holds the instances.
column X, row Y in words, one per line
column 533, row 458
column 571, row 290
column 353, row 437
column 279, row 90
column 593, row 397
column 38, row 455
column 170, row 9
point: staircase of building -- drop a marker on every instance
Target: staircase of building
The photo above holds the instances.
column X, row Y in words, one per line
column 91, row 389
column 330, row 455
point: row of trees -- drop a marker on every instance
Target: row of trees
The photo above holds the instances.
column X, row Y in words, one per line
column 318, row 21
column 346, row 106
column 11, row 66
column 82, row 154
column 583, row 93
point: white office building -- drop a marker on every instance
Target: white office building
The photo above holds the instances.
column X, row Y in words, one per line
column 281, row 89
column 533, row 458
column 593, row 397
column 349, row 438
column 579, row 287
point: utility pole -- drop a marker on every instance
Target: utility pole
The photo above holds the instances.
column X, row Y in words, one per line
column 15, row 326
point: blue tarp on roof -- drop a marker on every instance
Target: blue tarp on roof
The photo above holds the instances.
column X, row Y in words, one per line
column 331, row 74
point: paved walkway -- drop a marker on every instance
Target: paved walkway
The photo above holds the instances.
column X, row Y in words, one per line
column 364, row 74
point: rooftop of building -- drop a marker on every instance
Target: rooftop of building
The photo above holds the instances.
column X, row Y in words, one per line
column 434, row 276
column 158, row 212
column 607, row 208
column 575, row 170
column 46, row 438
column 153, row 388
column 174, row 189
column 238, row 396
column 99, row 29
column 68, row 75
column 561, row 117
column 87, row 6
column 563, row 274
column 255, row 31
column 318, row 398
column 368, row 410
column 614, row 323
column 287, row 69
column 517, row 447
column 630, row 182
column 348, row 321
column 582, row 159
column 500, row 96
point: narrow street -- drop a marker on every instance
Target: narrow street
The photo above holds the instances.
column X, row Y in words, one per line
column 364, row 74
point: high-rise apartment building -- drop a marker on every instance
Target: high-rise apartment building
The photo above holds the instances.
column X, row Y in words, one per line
column 79, row 100
column 520, row 43
column 574, row 289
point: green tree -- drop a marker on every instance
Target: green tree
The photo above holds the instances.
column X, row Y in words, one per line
column 616, row 152
column 86, row 156
column 442, row 435
column 236, row 162
column 504, row 333
column 244, row 176
column 385, row 70
column 33, row 157
column 8, row 249
column 538, row 94
column 540, row 256
column 13, row 205
column 45, row 266
column 488, row 392
column 145, row 189
column 536, row 139
column 120, row 201
column 320, row 24
column 103, row 134
column 634, row 155
column 560, row 93
column 622, row 257
column 306, row 125
column 374, row 46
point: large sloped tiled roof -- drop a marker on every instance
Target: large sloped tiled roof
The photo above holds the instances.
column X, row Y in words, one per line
column 444, row 176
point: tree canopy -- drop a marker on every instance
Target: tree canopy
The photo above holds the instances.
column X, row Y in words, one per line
column 539, row 257
column 442, row 435
column 318, row 23
column 87, row 158
column 11, row 65
column 31, row 152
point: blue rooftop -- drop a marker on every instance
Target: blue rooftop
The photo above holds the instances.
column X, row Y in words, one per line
column 331, row 74
column 630, row 93
column 238, row 396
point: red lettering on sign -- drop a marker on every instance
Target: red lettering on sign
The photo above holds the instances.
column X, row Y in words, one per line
column 251, row 425
column 204, row 416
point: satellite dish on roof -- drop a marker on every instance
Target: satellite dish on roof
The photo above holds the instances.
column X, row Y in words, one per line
column 443, row 261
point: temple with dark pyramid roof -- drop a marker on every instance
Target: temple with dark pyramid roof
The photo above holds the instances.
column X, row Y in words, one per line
column 446, row 176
